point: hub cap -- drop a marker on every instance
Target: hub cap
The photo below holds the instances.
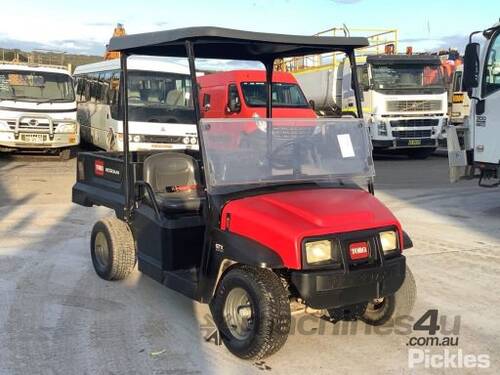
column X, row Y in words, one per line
column 238, row 313
column 101, row 250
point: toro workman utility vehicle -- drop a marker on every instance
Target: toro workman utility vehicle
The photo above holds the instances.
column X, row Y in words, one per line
column 232, row 224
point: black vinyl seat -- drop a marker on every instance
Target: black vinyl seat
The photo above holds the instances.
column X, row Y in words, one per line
column 174, row 177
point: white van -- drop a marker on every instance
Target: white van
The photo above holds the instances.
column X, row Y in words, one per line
column 37, row 109
column 161, row 113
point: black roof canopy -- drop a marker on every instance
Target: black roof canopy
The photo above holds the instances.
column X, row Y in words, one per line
column 404, row 59
column 220, row 43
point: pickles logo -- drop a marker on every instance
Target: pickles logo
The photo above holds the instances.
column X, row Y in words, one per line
column 447, row 359
column 425, row 351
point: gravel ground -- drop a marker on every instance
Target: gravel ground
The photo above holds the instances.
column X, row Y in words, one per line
column 58, row 317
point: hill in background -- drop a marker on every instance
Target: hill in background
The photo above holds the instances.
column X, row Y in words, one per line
column 46, row 57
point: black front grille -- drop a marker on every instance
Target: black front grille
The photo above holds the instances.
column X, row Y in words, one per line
column 411, row 134
column 162, row 139
column 415, row 122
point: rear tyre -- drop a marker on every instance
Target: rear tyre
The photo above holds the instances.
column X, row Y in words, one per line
column 252, row 312
column 112, row 249
column 381, row 310
column 421, row 153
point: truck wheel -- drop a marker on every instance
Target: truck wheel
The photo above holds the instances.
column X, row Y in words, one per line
column 113, row 249
column 65, row 154
column 381, row 310
column 252, row 312
column 421, row 153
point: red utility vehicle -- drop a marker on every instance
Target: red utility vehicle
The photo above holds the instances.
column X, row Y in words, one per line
column 254, row 229
column 243, row 94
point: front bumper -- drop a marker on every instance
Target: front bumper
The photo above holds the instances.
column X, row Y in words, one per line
column 8, row 139
column 407, row 132
column 336, row 288
column 397, row 144
column 145, row 146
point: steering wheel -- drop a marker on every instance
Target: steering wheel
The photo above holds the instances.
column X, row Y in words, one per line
column 285, row 161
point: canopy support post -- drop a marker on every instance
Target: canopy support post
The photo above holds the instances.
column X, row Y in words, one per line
column 126, row 155
column 357, row 92
column 359, row 105
column 269, row 105
column 194, row 82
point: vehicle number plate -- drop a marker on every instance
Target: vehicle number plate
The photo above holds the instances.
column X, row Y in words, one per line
column 414, row 142
column 34, row 138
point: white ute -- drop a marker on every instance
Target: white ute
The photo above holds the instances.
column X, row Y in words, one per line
column 37, row 109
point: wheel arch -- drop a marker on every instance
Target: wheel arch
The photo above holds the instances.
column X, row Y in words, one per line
column 231, row 251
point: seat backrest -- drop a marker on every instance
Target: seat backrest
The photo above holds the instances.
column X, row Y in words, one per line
column 169, row 170
column 175, row 97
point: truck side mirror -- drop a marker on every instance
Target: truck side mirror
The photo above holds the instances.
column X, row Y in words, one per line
column 312, row 104
column 471, row 68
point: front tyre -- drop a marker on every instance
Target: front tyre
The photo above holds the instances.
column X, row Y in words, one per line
column 252, row 312
column 112, row 249
column 382, row 310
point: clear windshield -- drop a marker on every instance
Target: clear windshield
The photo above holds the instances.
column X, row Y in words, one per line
column 156, row 89
column 284, row 95
column 406, row 76
column 36, row 86
column 241, row 154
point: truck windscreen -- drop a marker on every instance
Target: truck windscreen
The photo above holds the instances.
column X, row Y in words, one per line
column 406, row 77
column 159, row 90
column 284, row 95
column 160, row 97
column 34, row 86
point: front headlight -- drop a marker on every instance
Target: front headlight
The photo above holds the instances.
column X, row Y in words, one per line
column 135, row 138
column 66, row 128
column 389, row 240
column 318, row 251
column 4, row 126
column 382, row 128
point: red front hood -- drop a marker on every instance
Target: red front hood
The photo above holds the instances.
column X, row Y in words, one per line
column 280, row 221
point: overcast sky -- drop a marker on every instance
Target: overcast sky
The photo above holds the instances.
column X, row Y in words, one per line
column 86, row 26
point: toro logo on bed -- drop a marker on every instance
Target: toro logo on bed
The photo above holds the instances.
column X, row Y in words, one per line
column 99, row 167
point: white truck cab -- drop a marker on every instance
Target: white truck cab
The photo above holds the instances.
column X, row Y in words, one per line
column 481, row 80
column 37, row 109
column 404, row 101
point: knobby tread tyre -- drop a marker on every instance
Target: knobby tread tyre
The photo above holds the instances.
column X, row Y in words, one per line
column 122, row 253
column 272, row 310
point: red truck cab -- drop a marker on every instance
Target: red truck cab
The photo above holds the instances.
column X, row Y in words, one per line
column 242, row 94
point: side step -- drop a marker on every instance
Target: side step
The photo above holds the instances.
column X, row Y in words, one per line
column 183, row 281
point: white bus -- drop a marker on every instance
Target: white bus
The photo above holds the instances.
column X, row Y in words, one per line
column 161, row 113
column 37, row 109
